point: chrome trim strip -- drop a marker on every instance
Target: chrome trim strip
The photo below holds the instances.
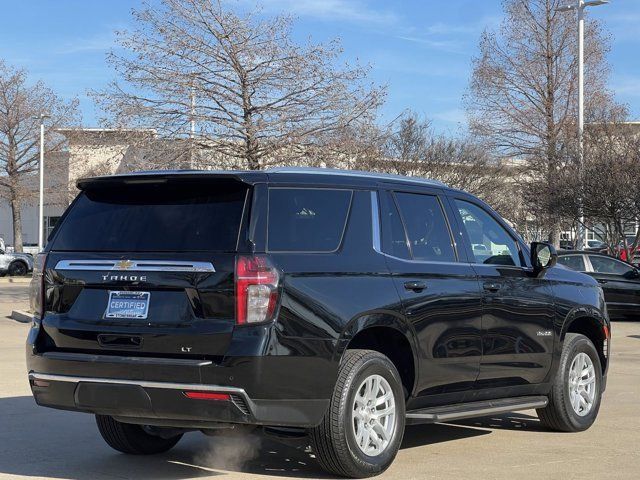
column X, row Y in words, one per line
column 89, row 357
column 375, row 222
column 135, row 265
column 139, row 383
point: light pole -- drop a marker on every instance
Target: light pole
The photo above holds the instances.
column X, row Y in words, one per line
column 580, row 6
column 41, row 117
column 192, row 118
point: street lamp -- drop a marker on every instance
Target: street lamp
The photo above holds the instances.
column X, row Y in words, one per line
column 580, row 6
column 41, row 117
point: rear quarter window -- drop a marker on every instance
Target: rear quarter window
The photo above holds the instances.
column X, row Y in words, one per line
column 307, row 219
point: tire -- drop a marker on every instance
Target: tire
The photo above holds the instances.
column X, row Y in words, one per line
column 334, row 441
column 132, row 439
column 17, row 269
column 559, row 414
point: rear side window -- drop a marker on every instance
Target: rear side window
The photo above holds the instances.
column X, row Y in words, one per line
column 395, row 238
column 154, row 218
column 306, row 219
column 574, row 262
column 426, row 227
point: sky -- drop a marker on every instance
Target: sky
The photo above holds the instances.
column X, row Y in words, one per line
column 421, row 49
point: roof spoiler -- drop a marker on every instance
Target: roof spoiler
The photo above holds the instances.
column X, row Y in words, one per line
column 163, row 177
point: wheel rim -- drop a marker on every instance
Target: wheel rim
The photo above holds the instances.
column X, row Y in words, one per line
column 582, row 384
column 374, row 415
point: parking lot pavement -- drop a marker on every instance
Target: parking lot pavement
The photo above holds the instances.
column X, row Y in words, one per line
column 13, row 296
column 40, row 442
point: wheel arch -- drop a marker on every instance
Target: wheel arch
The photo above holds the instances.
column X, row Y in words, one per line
column 592, row 324
column 389, row 334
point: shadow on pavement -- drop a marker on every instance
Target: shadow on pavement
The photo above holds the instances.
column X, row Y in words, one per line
column 506, row 421
column 429, row 434
column 42, row 442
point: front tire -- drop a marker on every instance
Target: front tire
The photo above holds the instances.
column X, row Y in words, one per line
column 577, row 390
column 362, row 430
column 132, row 439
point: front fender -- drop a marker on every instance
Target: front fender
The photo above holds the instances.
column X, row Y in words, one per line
column 598, row 315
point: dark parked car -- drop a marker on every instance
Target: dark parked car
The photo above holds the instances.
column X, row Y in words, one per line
column 590, row 245
column 596, row 246
column 567, row 245
column 338, row 305
column 619, row 280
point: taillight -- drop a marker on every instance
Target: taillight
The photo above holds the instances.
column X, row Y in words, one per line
column 36, row 287
column 256, row 289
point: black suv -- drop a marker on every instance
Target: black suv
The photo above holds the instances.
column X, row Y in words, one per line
column 338, row 305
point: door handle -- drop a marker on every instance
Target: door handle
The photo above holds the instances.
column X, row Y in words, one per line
column 492, row 286
column 600, row 280
column 416, row 286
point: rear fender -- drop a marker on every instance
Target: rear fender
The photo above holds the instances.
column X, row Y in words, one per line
column 385, row 318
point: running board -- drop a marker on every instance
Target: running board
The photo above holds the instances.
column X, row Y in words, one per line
column 448, row 413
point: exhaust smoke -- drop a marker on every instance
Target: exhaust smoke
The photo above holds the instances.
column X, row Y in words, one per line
column 229, row 449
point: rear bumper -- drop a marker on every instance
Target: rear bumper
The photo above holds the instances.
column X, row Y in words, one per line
column 165, row 403
column 273, row 390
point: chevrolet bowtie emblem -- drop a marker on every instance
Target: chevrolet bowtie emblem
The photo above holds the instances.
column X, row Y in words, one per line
column 124, row 265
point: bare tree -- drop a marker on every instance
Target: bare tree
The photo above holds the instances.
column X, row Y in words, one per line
column 20, row 102
column 409, row 146
column 232, row 82
column 522, row 97
column 360, row 146
column 610, row 185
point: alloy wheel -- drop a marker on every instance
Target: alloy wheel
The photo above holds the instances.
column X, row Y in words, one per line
column 582, row 384
column 374, row 415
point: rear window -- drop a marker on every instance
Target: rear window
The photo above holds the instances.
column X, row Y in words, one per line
column 307, row 220
column 154, row 218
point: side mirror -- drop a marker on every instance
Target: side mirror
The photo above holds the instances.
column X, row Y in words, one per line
column 543, row 256
column 632, row 274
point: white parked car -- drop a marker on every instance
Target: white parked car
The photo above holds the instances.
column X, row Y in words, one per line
column 14, row 264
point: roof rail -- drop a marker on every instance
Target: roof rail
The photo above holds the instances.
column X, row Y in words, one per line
column 356, row 173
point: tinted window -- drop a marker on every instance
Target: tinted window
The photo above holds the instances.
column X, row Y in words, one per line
column 395, row 239
column 608, row 265
column 490, row 242
column 426, row 227
column 150, row 218
column 574, row 262
column 307, row 220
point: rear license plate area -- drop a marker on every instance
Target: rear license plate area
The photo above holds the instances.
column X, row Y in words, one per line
column 131, row 305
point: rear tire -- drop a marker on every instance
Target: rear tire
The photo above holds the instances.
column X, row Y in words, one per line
column 17, row 269
column 560, row 414
column 132, row 439
column 339, row 441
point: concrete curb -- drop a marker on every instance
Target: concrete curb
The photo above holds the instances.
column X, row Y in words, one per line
column 22, row 280
column 21, row 316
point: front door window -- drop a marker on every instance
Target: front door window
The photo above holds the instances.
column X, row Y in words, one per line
column 490, row 242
